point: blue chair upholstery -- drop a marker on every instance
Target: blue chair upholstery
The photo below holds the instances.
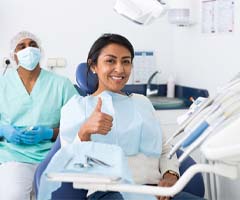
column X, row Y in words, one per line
column 86, row 79
column 66, row 191
column 42, row 166
column 196, row 185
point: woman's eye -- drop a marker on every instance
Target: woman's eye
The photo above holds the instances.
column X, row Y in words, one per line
column 111, row 61
column 126, row 62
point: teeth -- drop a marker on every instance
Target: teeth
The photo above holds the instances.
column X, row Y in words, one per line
column 117, row 78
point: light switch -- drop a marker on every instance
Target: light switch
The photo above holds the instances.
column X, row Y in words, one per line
column 61, row 62
column 52, row 62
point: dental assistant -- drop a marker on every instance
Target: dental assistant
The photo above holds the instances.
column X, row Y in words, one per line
column 30, row 102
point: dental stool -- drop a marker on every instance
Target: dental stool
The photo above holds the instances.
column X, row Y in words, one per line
column 87, row 85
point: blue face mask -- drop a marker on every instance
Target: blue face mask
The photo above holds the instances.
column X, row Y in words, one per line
column 29, row 57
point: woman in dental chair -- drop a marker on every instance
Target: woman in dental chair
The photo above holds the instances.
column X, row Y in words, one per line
column 113, row 117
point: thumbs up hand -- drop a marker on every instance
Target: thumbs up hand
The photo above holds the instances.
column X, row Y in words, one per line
column 99, row 105
column 98, row 122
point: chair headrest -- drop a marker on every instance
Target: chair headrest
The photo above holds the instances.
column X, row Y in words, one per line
column 86, row 79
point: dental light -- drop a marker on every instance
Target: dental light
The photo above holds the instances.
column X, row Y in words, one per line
column 141, row 11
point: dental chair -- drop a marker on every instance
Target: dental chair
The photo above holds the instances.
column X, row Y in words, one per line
column 87, row 82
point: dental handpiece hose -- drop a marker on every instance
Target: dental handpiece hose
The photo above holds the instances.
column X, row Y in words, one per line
column 213, row 108
column 224, row 111
column 228, row 100
column 205, row 104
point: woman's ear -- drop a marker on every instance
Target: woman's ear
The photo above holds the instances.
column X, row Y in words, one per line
column 93, row 69
column 92, row 66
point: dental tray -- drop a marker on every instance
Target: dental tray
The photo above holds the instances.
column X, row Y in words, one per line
column 82, row 177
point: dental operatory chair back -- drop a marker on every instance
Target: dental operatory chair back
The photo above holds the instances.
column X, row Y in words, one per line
column 86, row 80
column 87, row 83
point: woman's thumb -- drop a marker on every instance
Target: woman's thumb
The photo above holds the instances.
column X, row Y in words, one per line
column 99, row 105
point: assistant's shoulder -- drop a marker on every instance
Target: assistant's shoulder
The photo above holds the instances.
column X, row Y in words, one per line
column 9, row 76
column 59, row 81
column 2, row 79
column 53, row 76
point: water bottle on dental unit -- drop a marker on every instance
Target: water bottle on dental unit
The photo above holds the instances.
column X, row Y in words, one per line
column 171, row 86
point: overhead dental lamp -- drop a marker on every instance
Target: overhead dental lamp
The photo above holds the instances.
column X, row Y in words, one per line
column 144, row 12
column 141, row 11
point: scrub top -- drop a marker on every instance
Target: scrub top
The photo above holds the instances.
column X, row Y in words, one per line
column 41, row 107
column 135, row 126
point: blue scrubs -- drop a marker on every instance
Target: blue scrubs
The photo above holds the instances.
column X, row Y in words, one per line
column 41, row 107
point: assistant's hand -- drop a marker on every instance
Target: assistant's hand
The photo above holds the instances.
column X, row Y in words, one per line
column 98, row 122
column 36, row 135
column 10, row 133
column 168, row 180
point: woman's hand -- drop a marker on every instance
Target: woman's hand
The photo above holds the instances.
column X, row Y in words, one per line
column 98, row 122
column 168, row 180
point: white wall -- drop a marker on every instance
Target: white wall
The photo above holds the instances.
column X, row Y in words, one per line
column 67, row 28
column 206, row 60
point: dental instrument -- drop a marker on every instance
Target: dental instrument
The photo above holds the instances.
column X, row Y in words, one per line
column 96, row 161
column 225, row 102
column 210, row 131
column 187, row 121
column 231, row 88
column 222, row 111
